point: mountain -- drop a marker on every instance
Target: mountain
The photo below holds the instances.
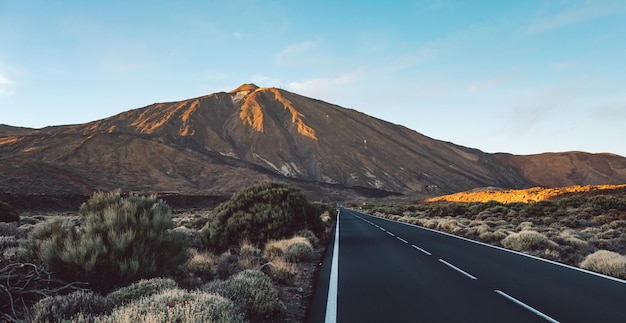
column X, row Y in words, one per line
column 216, row 144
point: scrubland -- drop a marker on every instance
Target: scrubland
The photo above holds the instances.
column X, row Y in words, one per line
column 578, row 226
column 130, row 258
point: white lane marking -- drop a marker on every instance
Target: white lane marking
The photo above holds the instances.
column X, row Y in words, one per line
column 422, row 250
column 383, row 229
column 391, row 234
column 457, row 269
column 331, row 301
column 518, row 302
column 402, row 240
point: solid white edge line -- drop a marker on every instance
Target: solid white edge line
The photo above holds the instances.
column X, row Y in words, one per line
column 509, row 250
column 422, row 250
column 402, row 240
column 331, row 300
column 530, row 308
column 457, row 269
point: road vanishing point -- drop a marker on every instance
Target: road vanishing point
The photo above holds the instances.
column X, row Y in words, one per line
column 377, row 270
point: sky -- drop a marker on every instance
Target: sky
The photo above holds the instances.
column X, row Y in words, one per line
column 515, row 76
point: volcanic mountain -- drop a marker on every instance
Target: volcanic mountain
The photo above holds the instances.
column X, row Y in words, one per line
column 216, row 144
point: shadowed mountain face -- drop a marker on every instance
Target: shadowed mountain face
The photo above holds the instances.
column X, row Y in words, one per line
column 217, row 144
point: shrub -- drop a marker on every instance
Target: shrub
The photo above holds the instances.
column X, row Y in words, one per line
column 226, row 265
column 606, row 262
column 255, row 294
column 8, row 213
column 64, row 307
column 202, row 265
column 281, row 271
column 299, row 251
column 257, row 214
column 176, row 305
column 527, row 240
column 278, row 248
column 120, row 240
column 309, row 235
column 250, row 257
column 139, row 289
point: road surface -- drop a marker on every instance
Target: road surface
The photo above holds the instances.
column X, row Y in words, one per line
column 386, row 271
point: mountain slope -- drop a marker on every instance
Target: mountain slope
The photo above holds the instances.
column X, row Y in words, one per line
column 216, row 144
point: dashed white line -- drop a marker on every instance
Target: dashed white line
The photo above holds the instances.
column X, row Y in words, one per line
column 422, row 250
column 520, row 303
column 402, row 240
column 383, row 229
column 391, row 234
column 457, row 269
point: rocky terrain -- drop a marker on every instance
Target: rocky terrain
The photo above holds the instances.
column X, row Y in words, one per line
column 217, row 144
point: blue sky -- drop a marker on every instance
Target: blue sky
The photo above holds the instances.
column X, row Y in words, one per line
column 517, row 76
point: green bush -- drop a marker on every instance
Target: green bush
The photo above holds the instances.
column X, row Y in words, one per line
column 119, row 240
column 257, row 214
column 176, row 305
column 139, row 289
column 8, row 213
column 64, row 307
column 255, row 294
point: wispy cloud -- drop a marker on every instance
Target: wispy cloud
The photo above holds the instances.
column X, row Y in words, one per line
column 589, row 10
column 487, row 85
column 6, row 86
column 292, row 53
column 322, row 87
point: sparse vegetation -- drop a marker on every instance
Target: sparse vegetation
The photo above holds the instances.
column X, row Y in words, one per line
column 112, row 243
column 561, row 224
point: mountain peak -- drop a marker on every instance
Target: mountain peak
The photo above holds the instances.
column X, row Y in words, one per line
column 246, row 87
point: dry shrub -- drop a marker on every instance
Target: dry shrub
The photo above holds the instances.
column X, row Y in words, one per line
column 493, row 237
column 448, row 225
column 226, row 265
column 429, row 223
column 278, row 248
column 282, row 272
column 175, row 305
column 526, row 225
column 250, row 257
column 528, row 240
column 574, row 240
column 64, row 307
column 140, row 289
column 255, row 294
column 606, row 262
column 201, row 264
column 298, row 252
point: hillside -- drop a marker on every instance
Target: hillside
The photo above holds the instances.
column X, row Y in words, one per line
column 219, row 143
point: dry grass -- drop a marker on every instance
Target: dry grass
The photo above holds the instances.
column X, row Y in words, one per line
column 533, row 194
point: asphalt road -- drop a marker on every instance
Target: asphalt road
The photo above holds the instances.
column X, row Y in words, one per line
column 393, row 272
